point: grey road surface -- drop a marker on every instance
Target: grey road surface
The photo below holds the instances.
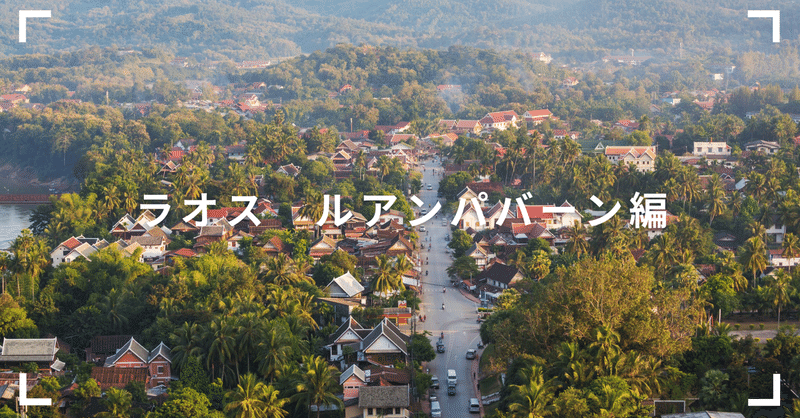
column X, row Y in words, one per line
column 458, row 320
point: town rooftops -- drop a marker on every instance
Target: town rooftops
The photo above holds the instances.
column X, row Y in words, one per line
column 28, row 349
column 383, row 397
column 347, row 284
column 635, row 151
column 134, row 347
column 118, row 377
column 500, row 273
column 352, row 371
column 389, row 329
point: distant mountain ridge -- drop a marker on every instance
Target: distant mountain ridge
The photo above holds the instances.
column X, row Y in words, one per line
column 241, row 29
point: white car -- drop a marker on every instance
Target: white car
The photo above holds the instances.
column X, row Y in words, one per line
column 436, row 409
column 474, row 405
column 422, row 228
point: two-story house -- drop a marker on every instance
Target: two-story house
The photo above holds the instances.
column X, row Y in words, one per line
column 644, row 158
column 158, row 361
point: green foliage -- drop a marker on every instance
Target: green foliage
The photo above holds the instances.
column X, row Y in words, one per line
column 421, row 346
column 47, row 388
column 186, row 403
column 87, row 389
column 460, row 242
column 463, row 267
column 6, row 412
column 137, row 390
column 714, row 391
column 194, row 376
column 13, row 318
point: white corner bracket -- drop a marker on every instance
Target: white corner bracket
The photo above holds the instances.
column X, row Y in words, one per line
column 776, row 394
column 775, row 15
column 24, row 400
column 23, row 17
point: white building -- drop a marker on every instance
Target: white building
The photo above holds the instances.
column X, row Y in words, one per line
column 711, row 148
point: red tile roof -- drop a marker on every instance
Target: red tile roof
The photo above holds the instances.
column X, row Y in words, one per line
column 536, row 212
column 71, row 243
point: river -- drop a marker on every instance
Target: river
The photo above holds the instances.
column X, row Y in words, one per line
column 13, row 219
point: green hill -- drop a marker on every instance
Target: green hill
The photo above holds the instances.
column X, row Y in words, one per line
column 277, row 28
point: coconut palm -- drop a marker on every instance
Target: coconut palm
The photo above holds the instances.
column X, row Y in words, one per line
column 383, row 282
column 384, row 166
column 118, row 402
column 313, row 208
column 791, row 247
column 279, row 271
column 221, row 345
column 533, row 398
column 753, row 256
column 186, row 343
column 254, row 399
column 250, row 331
column 275, row 349
column 318, row 384
column 715, row 198
column 577, row 243
column 781, row 291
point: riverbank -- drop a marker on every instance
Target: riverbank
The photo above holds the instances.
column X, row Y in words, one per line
column 24, row 181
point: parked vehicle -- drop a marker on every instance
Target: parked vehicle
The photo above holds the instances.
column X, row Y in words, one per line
column 435, row 382
column 471, row 354
column 474, row 405
column 436, row 409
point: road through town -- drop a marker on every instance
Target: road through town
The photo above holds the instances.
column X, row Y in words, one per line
column 458, row 321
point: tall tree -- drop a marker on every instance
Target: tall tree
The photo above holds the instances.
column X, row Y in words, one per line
column 753, row 256
column 318, row 384
column 533, row 398
column 254, row 399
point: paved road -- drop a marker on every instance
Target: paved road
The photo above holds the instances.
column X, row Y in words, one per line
column 457, row 321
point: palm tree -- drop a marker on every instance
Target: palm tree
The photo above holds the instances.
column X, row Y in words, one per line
column 275, row 349
column 401, row 265
column 280, row 271
column 118, row 402
column 254, row 399
column 756, row 186
column 111, row 197
column 715, row 198
column 577, row 243
column 220, row 335
column 532, row 399
column 313, row 208
column 186, row 344
column 383, row 282
column 249, row 332
column 791, row 247
column 360, row 163
column 253, row 157
column 384, row 166
column 781, row 290
column 318, row 384
column 689, row 185
column 753, row 256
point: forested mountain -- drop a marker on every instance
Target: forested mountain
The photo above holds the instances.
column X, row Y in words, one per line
column 278, row 28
